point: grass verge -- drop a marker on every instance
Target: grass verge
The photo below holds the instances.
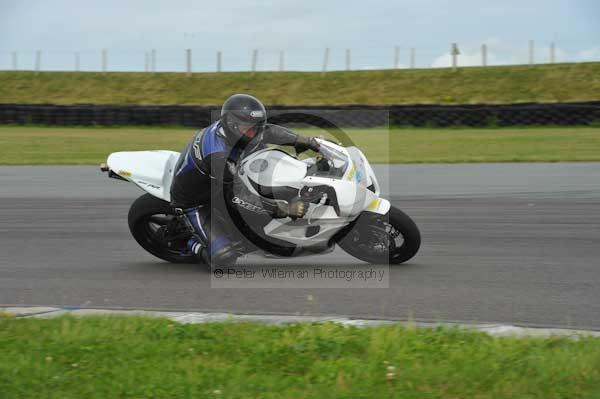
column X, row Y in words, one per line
column 80, row 146
column 109, row 357
column 502, row 84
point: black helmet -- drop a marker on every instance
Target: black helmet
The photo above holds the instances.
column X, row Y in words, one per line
column 244, row 117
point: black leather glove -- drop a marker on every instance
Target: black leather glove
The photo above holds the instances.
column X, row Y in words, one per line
column 295, row 209
column 282, row 210
column 306, row 143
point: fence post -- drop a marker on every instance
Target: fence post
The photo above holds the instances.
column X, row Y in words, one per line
column 484, row 54
column 219, row 61
column 396, row 57
column 77, row 61
column 552, row 53
column 348, row 59
column 188, row 62
column 15, row 65
column 454, row 52
column 153, row 60
column 531, row 50
column 281, row 60
column 412, row 58
column 104, row 61
column 325, row 61
column 145, row 61
column 38, row 60
column 254, row 60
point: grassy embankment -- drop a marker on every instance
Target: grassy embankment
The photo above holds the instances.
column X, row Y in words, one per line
column 56, row 146
column 110, row 357
column 542, row 83
column 502, row 84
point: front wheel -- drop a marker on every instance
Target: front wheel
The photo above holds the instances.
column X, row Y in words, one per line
column 393, row 238
column 157, row 229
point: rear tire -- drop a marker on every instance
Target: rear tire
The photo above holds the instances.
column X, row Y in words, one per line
column 356, row 239
column 142, row 225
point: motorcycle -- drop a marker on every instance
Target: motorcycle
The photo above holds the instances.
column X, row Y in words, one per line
column 339, row 186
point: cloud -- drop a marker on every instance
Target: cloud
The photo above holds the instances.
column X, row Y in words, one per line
column 591, row 54
column 503, row 53
column 471, row 56
column 466, row 59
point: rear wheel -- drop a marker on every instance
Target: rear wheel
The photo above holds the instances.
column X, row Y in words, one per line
column 393, row 238
column 158, row 230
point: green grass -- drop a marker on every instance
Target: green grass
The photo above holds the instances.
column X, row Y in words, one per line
column 506, row 84
column 124, row 357
column 73, row 146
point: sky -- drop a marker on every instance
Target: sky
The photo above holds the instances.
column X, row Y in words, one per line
column 128, row 29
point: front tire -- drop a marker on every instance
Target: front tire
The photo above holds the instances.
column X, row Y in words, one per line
column 154, row 225
column 372, row 238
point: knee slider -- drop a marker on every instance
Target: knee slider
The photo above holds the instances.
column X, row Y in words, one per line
column 224, row 256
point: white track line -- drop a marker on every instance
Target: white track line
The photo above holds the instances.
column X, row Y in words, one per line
column 198, row 317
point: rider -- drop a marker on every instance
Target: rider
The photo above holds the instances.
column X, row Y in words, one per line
column 207, row 167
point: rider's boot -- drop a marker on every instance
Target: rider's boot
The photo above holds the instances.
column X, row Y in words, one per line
column 208, row 242
column 197, row 247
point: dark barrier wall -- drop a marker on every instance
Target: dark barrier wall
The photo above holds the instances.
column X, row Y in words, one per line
column 342, row 116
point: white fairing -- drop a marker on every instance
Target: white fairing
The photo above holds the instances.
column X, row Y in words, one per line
column 350, row 177
column 350, row 184
column 152, row 171
column 364, row 172
column 272, row 168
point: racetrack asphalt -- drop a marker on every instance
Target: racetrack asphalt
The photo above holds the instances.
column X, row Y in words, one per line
column 502, row 243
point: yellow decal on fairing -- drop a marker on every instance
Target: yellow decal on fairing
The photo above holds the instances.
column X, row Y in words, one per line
column 124, row 173
column 352, row 171
column 374, row 204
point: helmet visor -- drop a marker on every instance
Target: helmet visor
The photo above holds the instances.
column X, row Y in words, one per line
column 248, row 129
